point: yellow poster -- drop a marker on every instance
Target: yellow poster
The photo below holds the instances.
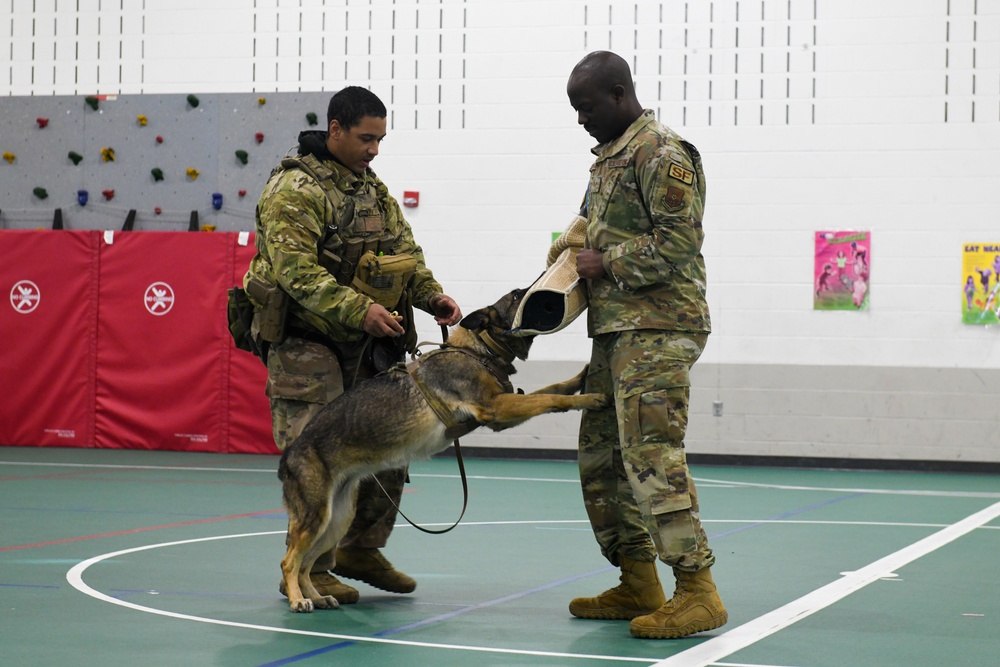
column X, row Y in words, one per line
column 981, row 283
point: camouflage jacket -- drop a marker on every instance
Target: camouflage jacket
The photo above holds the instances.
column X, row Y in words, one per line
column 644, row 210
column 294, row 219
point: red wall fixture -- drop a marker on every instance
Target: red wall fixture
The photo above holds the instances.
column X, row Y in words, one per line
column 47, row 318
column 120, row 340
column 161, row 354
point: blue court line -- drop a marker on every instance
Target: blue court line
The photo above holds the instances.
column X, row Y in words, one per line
column 437, row 619
column 465, row 610
column 786, row 515
column 26, row 586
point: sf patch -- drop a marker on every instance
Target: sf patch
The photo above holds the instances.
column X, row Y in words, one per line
column 681, row 174
column 673, row 201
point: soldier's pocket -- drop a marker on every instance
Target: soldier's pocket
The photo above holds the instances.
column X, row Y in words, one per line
column 299, row 370
column 662, row 417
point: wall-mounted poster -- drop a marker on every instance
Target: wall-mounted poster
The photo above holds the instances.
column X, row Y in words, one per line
column 981, row 283
column 842, row 267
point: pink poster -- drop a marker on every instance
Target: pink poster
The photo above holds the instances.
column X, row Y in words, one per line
column 842, row 269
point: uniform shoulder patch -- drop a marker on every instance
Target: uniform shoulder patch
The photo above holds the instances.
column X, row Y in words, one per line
column 673, row 201
column 680, row 173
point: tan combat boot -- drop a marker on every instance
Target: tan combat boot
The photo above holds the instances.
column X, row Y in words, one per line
column 371, row 567
column 639, row 593
column 327, row 584
column 695, row 607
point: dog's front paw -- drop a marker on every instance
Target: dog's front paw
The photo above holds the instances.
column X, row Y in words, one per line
column 301, row 606
column 598, row 401
column 326, row 602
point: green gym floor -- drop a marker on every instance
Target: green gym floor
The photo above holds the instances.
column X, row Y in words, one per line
column 111, row 557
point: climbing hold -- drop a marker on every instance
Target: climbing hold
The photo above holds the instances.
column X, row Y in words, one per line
column 41, row 193
column 142, row 120
column 108, row 194
column 81, row 197
column 241, row 155
column 192, row 100
column 157, row 210
column 192, row 173
column 108, row 154
column 260, row 137
column 208, row 228
column 42, row 122
column 261, row 101
column 10, row 157
column 159, row 139
column 216, row 200
column 311, row 118
column 75, row 157
column 157, row 173
column 243, row 193
column 92, row 102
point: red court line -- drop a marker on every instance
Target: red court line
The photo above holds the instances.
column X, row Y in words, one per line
column 138, row 530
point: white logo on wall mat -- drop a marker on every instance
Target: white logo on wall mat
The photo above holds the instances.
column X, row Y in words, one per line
column 159, row 299
column 25, row 296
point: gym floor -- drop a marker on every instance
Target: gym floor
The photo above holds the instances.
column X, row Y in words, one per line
column 165, row 558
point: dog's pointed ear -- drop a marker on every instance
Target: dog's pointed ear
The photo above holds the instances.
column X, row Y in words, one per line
column 476, row 321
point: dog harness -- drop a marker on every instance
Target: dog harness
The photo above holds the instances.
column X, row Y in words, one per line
column 453, row 427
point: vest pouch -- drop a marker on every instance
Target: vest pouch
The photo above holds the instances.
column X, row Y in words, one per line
column 274, row 309
column 384, row 278
column 239, row 313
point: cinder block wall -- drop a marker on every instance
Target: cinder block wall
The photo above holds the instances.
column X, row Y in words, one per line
column 810, row 114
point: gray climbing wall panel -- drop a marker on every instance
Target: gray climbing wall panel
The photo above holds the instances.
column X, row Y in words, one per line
column 203, row 137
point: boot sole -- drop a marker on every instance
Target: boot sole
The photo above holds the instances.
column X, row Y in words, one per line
column 374, row 583
column 612, row 614
column 676, row 633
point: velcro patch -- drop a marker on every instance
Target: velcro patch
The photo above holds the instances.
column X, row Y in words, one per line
column 619, row 163
column 680, row 173
column 674, row 199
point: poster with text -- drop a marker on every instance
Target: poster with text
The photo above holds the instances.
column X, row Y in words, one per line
column 841, row 271
column 981, row 283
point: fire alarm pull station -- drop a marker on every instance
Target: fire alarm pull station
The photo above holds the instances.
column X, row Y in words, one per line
column 411, row 199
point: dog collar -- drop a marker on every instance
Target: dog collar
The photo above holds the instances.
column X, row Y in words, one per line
column 496, row 347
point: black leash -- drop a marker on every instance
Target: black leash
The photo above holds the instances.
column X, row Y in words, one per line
column 461, row 470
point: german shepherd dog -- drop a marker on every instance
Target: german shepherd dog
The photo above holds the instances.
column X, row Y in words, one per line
column 397, row 416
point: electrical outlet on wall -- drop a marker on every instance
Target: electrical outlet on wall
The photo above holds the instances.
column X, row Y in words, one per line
column 717, row 409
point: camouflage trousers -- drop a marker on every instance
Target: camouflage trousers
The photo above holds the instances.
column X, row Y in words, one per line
column 302, row 377
column 637, row 489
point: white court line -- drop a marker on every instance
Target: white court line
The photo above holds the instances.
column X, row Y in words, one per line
column 899, row 492
column 716, row 483
column 120, row 466
column 75, row 579
column 713, row 650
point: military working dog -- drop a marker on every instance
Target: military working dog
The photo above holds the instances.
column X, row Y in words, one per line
column 401, row 415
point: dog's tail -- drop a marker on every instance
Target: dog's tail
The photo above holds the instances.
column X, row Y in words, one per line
column 283, row 466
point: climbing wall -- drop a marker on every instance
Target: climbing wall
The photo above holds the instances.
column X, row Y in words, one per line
column 192, row 141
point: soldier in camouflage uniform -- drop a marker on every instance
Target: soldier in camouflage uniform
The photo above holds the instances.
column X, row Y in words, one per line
column 649, row 322
column 318, row 212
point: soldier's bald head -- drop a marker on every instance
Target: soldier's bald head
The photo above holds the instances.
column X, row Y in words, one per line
column 604, row 70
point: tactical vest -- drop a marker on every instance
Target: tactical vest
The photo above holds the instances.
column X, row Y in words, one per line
column 357, row 246
column 358, row 224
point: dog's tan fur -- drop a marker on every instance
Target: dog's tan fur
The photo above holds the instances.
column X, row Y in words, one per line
column 385, row 422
